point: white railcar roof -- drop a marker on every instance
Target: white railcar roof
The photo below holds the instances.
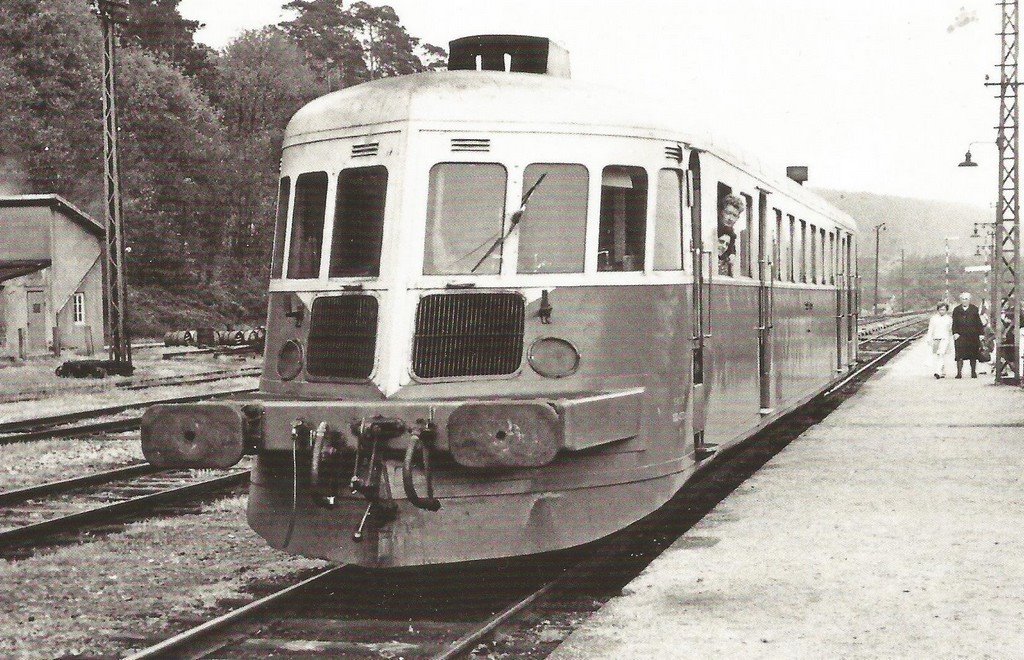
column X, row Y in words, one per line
column 488, row 100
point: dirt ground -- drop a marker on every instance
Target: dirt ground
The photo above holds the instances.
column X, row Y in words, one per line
column 105, row 597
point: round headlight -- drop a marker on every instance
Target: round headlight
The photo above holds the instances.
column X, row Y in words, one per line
column 289, row 360
column 552, row 357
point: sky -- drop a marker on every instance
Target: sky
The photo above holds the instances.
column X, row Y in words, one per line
column 882, row 96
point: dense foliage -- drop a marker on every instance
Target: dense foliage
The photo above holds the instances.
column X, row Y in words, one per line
column 200, row 133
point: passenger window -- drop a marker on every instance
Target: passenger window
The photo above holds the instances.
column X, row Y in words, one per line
column 731, row 209
column 823, row 264
column 802, row 255
column 307, row 225
column 832, row 258
column 553, row 230
column 778, row 246
column 668, row 221
column 623, row 227
column 747, row 237
column 284, row 195
column 791, row 250
column 813, row 254
column 465, row 219
column 359, row 222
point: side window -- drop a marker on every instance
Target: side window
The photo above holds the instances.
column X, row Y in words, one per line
column 812, row 255
column 465, row 219
column 621, row 234
column 669, row 242
column 779, row 247
column 284, row 196
column 747, row 238
column 832, row 258
column 359, row 222
column 307, row 225
column 791, row 250
column 553, row 230
column 821, row 257
column 802, row 255
column 731, row 210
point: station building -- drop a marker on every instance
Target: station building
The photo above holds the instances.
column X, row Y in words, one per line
column 51, row 277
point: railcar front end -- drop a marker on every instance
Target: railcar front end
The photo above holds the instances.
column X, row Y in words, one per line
column 490, row 328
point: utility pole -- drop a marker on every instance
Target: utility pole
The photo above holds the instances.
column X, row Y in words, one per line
column 879, row 228
column 948, row 239
column 903, row 280
column 111, row 14
column 1005, row 262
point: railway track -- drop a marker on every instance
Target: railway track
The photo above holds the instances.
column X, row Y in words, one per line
column 33, row 515
column 279, row 623
column 64, row 425
column 34, row 394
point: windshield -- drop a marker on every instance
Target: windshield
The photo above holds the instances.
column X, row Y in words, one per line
column 553, row 232
column 465, row 216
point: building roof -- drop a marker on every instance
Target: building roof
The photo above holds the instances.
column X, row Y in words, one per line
column 57, row 203
column 12, row 269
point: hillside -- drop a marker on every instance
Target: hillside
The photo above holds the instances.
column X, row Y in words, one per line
column 916, row 225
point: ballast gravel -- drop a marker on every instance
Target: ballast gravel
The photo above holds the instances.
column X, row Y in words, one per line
column 108, row 596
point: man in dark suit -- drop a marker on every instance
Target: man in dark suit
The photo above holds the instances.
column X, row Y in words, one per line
column 968, row 332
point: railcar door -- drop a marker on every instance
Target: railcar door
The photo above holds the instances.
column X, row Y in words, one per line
column 840, row 277
column 852, row 302
column 703, row 262
column 765, row 302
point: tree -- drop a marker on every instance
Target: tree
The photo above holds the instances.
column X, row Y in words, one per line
column 262, row 79
column 159, row 27
column 347, row 46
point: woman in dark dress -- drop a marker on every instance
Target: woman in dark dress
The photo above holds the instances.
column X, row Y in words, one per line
column 968, row 331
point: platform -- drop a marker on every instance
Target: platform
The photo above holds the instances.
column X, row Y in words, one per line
column 895, row 528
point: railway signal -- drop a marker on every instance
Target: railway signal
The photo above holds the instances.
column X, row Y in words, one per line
column 113, row 13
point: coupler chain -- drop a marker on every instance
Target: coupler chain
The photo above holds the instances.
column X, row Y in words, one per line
column 369, row 465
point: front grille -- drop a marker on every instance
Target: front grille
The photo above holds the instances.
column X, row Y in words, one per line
column 468, row 334
column 342, row 337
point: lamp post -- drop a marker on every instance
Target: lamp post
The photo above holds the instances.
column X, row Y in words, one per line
column 948, row 239
column 879, row 228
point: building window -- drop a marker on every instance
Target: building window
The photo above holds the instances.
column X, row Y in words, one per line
column 78, row 303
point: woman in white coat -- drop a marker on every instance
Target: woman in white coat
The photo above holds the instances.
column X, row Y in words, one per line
column 940, row 338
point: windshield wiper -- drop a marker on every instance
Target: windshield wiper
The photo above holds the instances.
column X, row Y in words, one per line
column 513, row 221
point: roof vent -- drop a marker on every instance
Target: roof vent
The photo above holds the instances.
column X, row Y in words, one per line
column 674, row 152
column 798, row 173
column 471, row 144
column 361, row 150
column 508, row 52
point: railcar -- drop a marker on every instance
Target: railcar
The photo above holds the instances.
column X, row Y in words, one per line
column 497, row 324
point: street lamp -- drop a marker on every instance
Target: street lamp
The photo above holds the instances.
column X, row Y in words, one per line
column 968, row 161
column 879, row 228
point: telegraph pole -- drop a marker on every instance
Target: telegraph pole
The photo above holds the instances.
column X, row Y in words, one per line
column 879, row 228
column 111, row 14
column 903, row 280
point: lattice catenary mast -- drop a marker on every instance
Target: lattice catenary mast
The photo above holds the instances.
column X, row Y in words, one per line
column 112, row 13
column 1005, row 281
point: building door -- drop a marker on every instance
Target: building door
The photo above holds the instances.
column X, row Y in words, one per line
column 35, row 335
